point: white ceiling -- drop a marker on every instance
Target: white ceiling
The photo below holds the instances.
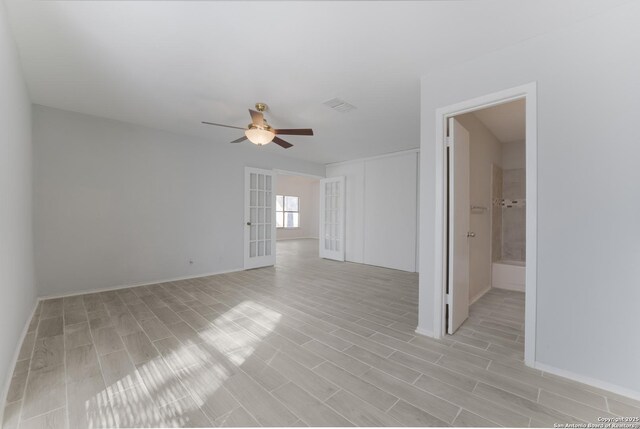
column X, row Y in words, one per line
column 172, row 64
column 506, row 121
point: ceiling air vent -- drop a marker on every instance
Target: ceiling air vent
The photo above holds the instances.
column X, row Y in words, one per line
column 339, row 105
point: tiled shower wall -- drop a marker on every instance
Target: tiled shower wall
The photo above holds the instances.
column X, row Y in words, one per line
column 508, row 223
column 514, row 218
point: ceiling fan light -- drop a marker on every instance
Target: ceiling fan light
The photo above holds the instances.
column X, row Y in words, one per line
column 259, row 136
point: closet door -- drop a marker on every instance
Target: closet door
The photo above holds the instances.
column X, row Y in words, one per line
column 390, row 211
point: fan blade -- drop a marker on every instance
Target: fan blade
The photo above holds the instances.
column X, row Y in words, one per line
column 241, row 139
column 282, row 143
column 257, row 118
column 295, row 132
column 222, row 125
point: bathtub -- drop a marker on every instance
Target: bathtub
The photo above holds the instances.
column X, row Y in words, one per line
column 508, row 275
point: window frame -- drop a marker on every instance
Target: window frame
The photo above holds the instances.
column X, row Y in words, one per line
column 284, row 212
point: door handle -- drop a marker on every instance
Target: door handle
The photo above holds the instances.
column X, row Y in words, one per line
column 471, row 234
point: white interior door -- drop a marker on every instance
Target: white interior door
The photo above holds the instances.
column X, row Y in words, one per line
column 260, row 218
column 459, row 210
column 332, row 218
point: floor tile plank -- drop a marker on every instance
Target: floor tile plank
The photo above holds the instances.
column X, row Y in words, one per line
column 48, row 352
column 428, row 402
column 107, row 340
column 45, row 391
column 303, row 377
column 139, row 347
column 468, row 419
column 265, row 408
column 571, row 407
column 408, row 415
column 523, row 406
column 77, row 335
column 338, row 358
column 385, row 365
column 489, row 410
column 357, row 386
column 307, row 408
column 118, row 370
column 56, row 419
column 11, row 417
column 358, row 411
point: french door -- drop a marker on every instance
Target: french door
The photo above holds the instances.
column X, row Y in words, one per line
column 332, row 218
column 260, row 218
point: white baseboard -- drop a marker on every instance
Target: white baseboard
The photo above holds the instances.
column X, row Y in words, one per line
column 147, row 283
column 424, row 332
column 588, row 380
column 14, row 360
column 510, row 286
column 480, row 295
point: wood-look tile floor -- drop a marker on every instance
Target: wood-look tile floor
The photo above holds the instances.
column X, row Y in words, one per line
column 308, row 343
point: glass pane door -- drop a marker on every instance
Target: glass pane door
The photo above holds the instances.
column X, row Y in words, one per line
column 332, row 214
column 260, row 214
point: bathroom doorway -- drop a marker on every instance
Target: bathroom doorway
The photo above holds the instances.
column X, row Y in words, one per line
column 488, row 182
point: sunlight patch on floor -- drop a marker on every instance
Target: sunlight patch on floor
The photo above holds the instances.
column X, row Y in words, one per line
column 154, row 396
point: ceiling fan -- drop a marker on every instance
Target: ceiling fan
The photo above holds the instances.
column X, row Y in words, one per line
column 260, row 133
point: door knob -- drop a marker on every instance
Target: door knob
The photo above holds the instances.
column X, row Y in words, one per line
column 471, row 234
column 248, row 223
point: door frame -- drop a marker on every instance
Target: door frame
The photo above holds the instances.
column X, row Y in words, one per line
column 527, row 92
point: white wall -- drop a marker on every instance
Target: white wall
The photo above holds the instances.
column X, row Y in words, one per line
column 588, row 201
column 307, row 189
column 17, row 287
column 513, row 155
column 381, row 218
column 120, row 204
column 484, row 149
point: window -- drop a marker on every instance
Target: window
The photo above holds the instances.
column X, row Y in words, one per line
column 287, row 211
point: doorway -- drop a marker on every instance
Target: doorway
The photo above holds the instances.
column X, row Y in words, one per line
column 487, row 226
column 297, row 217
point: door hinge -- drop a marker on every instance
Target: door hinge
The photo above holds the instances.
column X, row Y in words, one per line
column 447, row 141
column 449, row 299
